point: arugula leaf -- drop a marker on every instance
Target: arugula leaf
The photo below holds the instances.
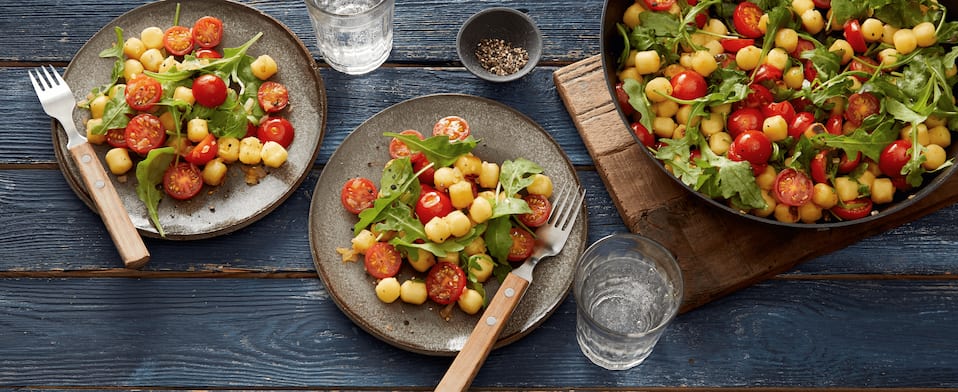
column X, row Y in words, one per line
column 451, row 245
column 498, row 240
column 438, row 149
column 399, row 217
column 399, row 172
column 516, row 175
column 639, row 101
column 870, row 144
column 115, row 51
column 115, row 115
column 149, row 174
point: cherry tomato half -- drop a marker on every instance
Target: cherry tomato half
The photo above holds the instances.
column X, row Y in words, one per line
column 688, row 85
column 853, row 209
column 758, row 96
column 746, row 17
column 204, row 151
column 178, row 40
column 522, row 244
column 860, row 106
column 623, row 98
column 894, row 157
column 658, row 5
column 116, row 137
column 143, row 133
column 642, row 133
column 819, row 167
column 432, row 203
column 766, row 72
column 792, row 188
column 864, row 68
column 800, row 124
column 398, row 149
column 445, row 282
column 276, row 129
column 541, row 209
column 733, row 45
column 382, row 260
column 143, row 92
column 834, row 124
column 182, row 181
column 272, row 96
column 209, row 90
column 358, row 194
column 453, row 126
column 208, row 32
column 427, row 176
column 847, row 165
column 208, row 54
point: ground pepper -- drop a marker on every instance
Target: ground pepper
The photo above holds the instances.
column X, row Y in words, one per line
column 500, row 57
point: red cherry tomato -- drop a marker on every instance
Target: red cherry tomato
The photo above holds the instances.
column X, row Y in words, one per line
column 894, row 157
column 358, row 194
column 276, row 129
column 826, row 4
column 116, row 137
column 642, row 133
column 792, row 188
column 541, row 209
column 701, row 19
column 382, row 260
column 808, row 68
column 860, row 106
column 784, row 109
column 398, row 149
column 733, row 45
column 689, row 85
column 758, row 96
column 742, row 120
column 207, row 32
column 746, row 17
column 854, row 36
column 864, row 68
column 623, row 98
column 204, row 151
column 208, row 54
column 142, row 92
column 445, row 282
column 178, row 40
column 766, row 72
column 853, row 209
column 819, row 167
column 798, row 126
column 143, row 133
column 753, row 146
column 272, row 96
column 834, row 124
column 427, row 175
column 453, row 126
column 209, row 90
column 658, row 5
column 432, row 203
column 522, row 245
column 182, row 181
column 801, row 47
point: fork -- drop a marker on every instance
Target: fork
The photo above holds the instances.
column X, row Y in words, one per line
column 550, row 239
column 58, row 102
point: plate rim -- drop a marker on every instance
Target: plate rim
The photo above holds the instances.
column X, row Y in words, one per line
column 405, row 345
column 79, row 188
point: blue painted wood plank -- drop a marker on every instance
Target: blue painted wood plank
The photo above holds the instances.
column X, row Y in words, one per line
column 274, row 333
column 425, row 31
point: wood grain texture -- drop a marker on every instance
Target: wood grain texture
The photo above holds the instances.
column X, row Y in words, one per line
column 276, row 333
column 718, row 252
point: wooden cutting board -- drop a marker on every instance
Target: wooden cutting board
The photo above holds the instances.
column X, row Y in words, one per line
column 719, row 252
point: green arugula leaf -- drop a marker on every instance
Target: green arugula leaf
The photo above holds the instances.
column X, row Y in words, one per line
column 516, row 175
column 115, row 115
column 149, row 174
column 497, row 238
column 399, row 185
column 639, row 101
column 870, row 144
column 438, row 149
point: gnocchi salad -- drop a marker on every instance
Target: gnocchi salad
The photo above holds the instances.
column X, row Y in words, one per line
column 453, row 219
column 802, row 111
column 184, row 110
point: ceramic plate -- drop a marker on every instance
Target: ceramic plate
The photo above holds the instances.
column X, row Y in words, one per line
column 233, row 205
column 503, row 134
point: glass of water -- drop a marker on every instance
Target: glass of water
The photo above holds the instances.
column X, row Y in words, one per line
column 627, row 290
column 354, row 36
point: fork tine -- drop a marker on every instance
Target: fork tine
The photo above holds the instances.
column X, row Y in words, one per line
column 49, row 79
column 571, row 210
column 57, row 74
column 33, row 79
column 556, row 207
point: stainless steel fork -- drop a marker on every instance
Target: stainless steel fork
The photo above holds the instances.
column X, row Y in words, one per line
column 550, row 238
column 58, row 102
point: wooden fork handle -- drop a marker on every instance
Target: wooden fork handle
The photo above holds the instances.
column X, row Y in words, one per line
column 128, row 242
column 467, row 363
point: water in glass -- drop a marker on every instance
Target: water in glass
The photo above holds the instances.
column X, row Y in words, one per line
column 354, row 36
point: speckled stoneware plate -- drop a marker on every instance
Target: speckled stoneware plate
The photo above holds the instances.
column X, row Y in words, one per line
column 233, row 205
column 503, row 134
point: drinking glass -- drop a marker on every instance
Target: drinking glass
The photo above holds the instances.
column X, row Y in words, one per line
column 354, row 36
column 627, row 290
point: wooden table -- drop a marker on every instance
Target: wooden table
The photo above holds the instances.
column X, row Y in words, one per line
column 247, row 310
